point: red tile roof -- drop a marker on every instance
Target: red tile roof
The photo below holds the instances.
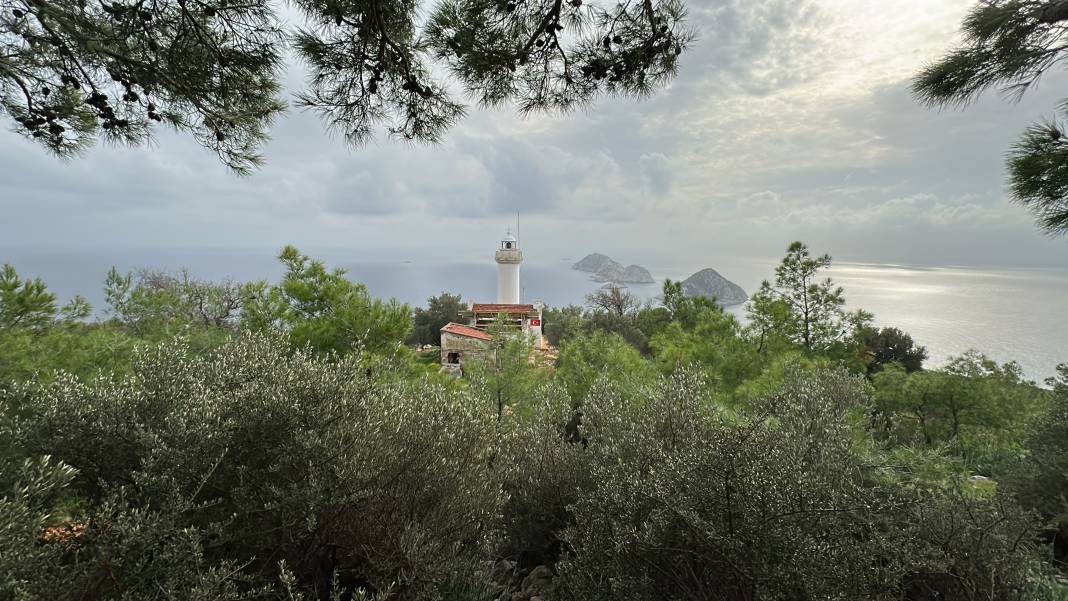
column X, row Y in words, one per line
column 497, row 308
column 462, row 330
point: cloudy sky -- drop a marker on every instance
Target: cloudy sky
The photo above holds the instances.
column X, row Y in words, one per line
column 791, row 119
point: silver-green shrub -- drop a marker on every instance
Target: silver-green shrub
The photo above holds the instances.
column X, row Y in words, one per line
column 260, row 472
column 542, row 466
column 254, row 455
column 694, row 502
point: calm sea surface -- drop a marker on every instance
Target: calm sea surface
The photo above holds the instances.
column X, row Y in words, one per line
column 1009, row 314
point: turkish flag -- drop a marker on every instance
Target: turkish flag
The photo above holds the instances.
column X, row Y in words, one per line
column 535, row 322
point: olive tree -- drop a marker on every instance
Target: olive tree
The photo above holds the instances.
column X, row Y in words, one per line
column 1040, row 479
column 218, row 467
column 691, row 501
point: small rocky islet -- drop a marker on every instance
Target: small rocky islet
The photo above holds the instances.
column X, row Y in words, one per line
column 607, row 271
column 707, row 282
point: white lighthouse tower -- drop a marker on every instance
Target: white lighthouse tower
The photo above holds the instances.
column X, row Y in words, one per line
column 509, row 257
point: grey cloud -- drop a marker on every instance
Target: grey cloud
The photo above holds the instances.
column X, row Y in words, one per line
column 314, row 171
column 522, row 176
column 657, row 173
column 743, row 153
column 756, row 47
column 960, row 212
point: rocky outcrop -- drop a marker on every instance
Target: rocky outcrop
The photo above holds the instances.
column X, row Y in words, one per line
column 636, row 274
column 709, row 283
column 514, row 584
column 538, row 581
column 593, row 263
column 605, row 270
column 613, row 273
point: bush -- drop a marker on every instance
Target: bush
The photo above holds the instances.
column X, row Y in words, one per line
column 253, row 455
column 694, row 502
column 260, row 472
column 542, row 465
column 29, row 490
column 1040, row 480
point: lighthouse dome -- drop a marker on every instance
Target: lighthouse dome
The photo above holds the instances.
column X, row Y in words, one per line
column 509, row 242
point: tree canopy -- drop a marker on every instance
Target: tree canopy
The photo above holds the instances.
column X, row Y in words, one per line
column 890, row 345
column 324, row 309
column 75, row 71
column 1011, row 44
column 24, row 303
column 616, row 300
column 427, row 323
column 800, row 307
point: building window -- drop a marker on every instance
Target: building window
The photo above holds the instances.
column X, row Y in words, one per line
column 508, row 245
column 452, row 358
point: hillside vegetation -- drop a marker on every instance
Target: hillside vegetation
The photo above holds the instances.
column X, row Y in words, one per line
column 283, row 441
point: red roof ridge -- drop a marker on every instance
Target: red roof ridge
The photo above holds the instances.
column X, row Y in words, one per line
column 503, row 308
column 468, row 331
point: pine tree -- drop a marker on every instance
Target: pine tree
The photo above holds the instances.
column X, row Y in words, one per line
column 1011, row 44
column 800, row 307
column 73, row 71
column 24, row 303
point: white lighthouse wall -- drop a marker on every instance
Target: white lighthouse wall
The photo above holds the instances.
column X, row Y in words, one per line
column 508, row 283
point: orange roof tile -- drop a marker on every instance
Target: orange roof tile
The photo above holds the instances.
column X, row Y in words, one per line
column 462, row 330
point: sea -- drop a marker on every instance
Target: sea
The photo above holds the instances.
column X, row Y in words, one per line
column 1010, row 314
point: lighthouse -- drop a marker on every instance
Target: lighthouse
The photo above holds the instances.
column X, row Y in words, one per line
column 480, row 325
column 508, row 257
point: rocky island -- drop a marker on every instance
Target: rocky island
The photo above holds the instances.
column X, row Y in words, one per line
column 606, row 270
column 593, row 263
column 709, row 283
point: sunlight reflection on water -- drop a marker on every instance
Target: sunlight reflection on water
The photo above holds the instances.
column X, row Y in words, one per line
column 1008, row 314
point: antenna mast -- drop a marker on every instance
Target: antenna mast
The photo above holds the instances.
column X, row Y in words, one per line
column 517, row 238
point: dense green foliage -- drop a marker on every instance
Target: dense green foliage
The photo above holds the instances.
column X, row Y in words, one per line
column 611, row 310
column 885, row 346
column 324, row 309
column 1040, row 481
column 72, row 71
column 780, row 502
column 974, row 409
column 26, row 304
column 585, row 360
column 1011, row 44
column 439, row 311
column 801, row 308
column 257, row 455
column 278, row 441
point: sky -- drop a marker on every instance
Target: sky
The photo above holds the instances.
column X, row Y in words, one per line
column 790, row 119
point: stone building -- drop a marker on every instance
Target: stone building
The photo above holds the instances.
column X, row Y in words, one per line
column 460, row 342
